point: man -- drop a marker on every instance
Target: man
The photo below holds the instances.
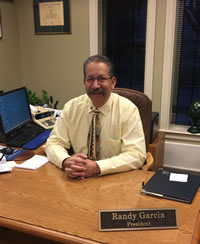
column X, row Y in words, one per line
column 122, row 143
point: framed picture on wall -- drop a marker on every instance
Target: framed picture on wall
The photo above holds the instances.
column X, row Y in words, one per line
column 0, row 26
column 52, row 16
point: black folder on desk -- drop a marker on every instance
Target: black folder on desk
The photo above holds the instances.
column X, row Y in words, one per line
column 160, row 186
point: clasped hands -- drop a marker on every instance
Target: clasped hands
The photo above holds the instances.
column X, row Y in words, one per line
column 80, row 166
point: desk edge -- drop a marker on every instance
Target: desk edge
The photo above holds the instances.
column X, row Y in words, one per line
column 43, row 232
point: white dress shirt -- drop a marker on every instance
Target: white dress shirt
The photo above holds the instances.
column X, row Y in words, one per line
column 122, row 143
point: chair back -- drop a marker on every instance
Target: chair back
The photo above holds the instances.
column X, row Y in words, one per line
column 144, row 105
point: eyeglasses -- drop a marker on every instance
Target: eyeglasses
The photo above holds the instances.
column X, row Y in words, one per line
column 99, row 79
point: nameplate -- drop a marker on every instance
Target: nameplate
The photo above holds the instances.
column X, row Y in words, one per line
column 137, row 219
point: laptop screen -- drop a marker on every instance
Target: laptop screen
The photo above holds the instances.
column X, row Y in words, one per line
column 14, row 109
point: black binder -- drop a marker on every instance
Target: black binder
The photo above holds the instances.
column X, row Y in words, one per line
column 160, row 186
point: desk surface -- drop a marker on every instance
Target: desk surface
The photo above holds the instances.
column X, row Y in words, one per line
column 46, row 203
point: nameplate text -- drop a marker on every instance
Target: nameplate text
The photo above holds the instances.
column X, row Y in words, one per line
column 137, row 219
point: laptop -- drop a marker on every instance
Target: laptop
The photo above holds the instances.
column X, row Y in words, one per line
column 17, row 127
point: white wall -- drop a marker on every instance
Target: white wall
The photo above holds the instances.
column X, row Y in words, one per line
column 54, row 61
column 51, row 62
column 10, row 67
column 182, row 156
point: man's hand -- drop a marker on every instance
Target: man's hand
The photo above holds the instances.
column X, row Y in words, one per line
column 79, row 166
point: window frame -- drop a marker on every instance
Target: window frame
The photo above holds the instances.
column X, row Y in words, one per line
column 168, row 64
column 173, row 132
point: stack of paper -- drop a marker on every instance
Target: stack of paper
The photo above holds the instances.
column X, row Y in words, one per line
column 5, row 168
column 33, row 163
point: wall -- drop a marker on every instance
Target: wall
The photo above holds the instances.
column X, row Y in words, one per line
column 10, row 68
column 54, row 62
column 182, row 156
column 51, row 62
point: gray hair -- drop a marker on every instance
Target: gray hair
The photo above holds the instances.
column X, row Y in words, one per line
column 99, row 59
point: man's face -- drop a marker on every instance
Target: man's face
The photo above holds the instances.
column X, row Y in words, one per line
column 98, row 83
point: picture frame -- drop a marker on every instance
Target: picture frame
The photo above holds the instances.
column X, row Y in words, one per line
column 0, row 27
column 52, row 16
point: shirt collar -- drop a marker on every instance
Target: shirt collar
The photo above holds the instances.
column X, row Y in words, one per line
column 105, row 108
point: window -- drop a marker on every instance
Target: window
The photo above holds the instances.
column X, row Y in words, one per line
column 172, row 64
column 124, row 40
column 186, row 65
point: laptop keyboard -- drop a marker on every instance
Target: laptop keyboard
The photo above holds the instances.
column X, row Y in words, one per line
column 25, row 135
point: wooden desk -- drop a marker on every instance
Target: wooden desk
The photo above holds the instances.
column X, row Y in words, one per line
column 46, row 203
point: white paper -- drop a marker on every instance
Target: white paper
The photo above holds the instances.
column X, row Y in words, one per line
column 4, row 165
column 11, row 164
column 5, row 168
column 33, row 163
column 178, row 177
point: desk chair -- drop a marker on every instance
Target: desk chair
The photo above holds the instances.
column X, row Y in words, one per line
column 144, row 105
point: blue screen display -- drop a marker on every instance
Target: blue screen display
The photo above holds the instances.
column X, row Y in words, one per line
column 14, row 109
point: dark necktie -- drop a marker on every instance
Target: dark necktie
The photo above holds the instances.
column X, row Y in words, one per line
column 93, row 136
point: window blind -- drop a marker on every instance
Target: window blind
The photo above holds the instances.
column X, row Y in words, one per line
column 124, row 37
column 186, row 64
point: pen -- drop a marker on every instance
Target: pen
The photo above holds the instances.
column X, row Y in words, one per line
column 3, row 154
column 54, row 115
column 51, row 101
column 151, row 193
column 55, row 105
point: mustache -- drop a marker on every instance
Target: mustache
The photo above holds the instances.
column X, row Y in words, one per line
column 96, row 91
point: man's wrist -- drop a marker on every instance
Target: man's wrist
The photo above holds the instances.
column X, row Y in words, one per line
column 98, row 170
column 64, row 162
